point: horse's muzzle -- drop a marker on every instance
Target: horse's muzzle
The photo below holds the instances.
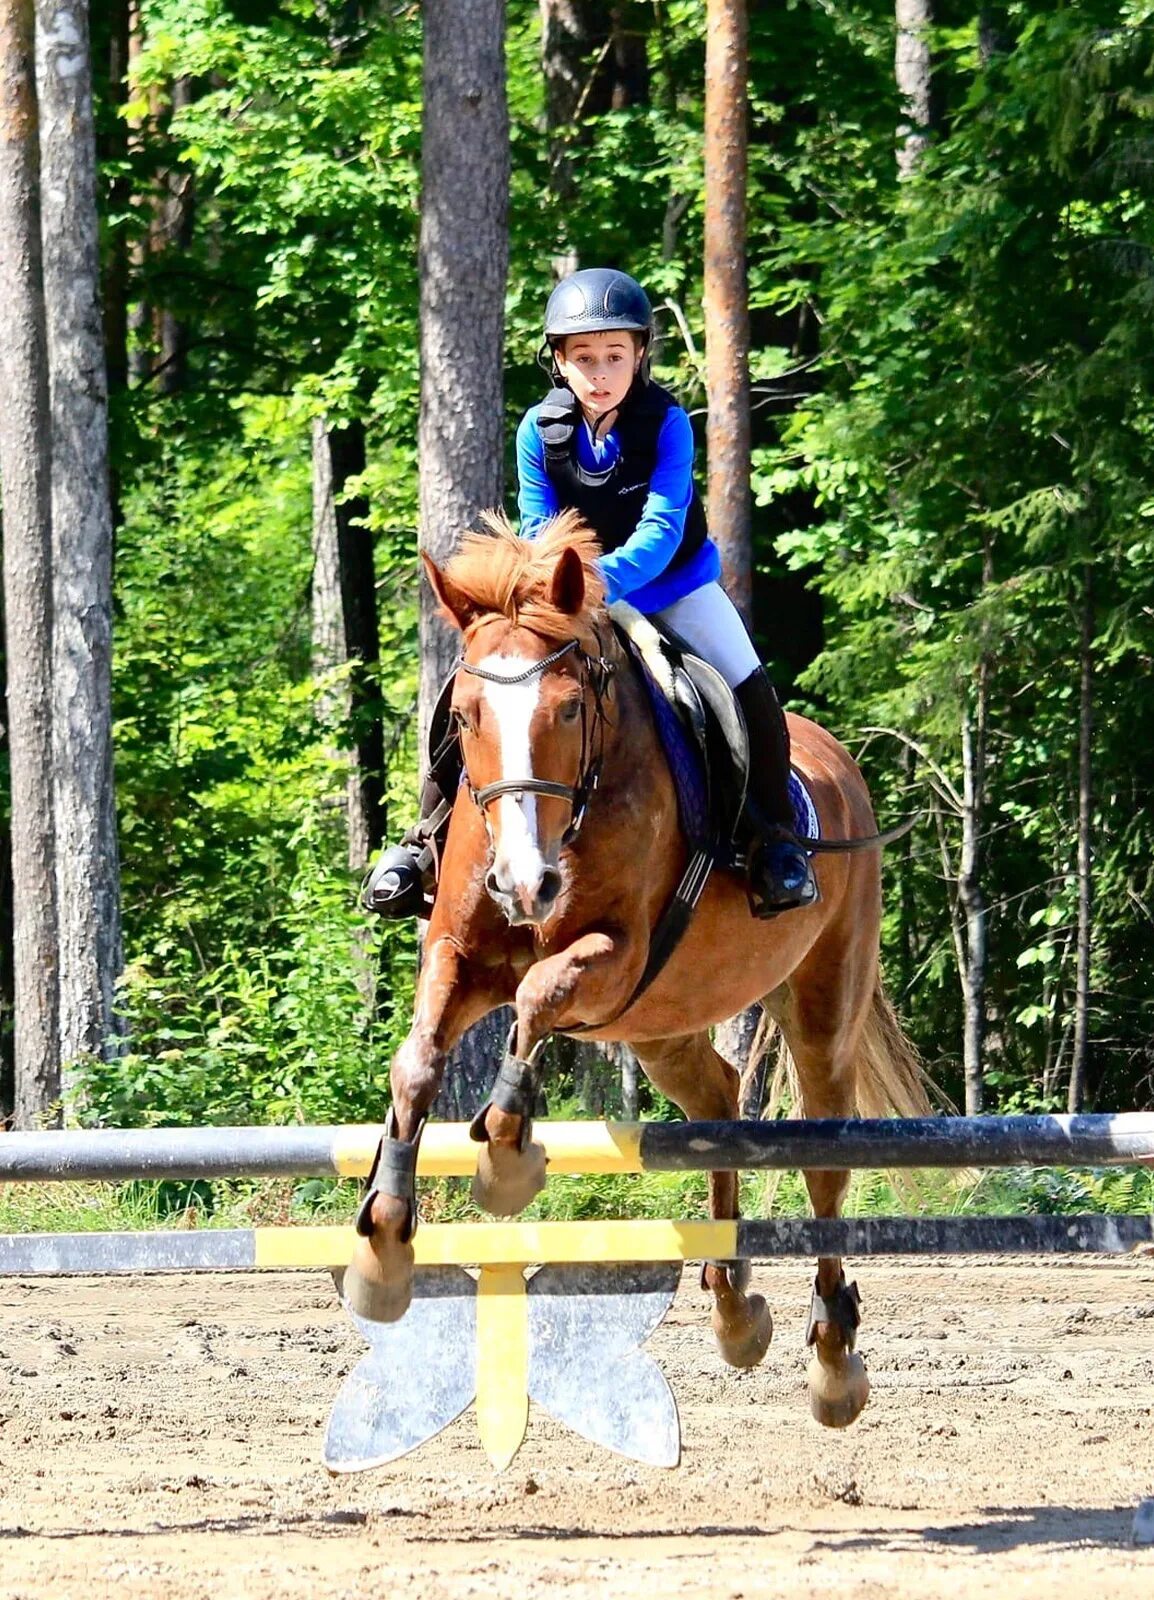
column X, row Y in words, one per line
column 525, row 903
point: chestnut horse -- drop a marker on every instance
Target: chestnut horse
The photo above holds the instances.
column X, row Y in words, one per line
column 550, row 887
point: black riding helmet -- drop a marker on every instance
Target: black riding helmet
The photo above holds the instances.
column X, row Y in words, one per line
column 597, row 300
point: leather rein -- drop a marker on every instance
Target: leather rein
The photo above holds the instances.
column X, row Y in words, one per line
column 597, row 675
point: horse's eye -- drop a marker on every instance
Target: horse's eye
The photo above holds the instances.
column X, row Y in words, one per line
column 570, row 711
column 463, row 720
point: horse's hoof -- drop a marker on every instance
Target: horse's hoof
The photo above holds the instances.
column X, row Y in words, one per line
column 746, row 1344
column 507, row 1179
column 837, row 1394
column 378, row 1282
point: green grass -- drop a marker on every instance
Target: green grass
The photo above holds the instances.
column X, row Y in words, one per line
column 107, row 1207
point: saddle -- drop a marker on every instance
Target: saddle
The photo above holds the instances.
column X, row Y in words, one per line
column 704, row 737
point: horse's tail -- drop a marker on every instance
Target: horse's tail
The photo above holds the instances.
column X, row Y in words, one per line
column 891, row 1078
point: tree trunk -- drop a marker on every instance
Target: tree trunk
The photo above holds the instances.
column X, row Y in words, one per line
column 594, row 59
column 463, row 263
column 114, row 153
column 726, row 296
column 171, row 236
column 972, row 897
column 735, row 1040
column 993, row 35
column 87, row 865
column 25, row 473
column 1081, row 1045
column 912, row 69
column 138, row 313
column 907, row 904
column 727, row 343
column 345, row 627
column 7, row 997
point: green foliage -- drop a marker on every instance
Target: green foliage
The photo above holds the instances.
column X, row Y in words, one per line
column 248, row 962
column 977, row 447
column 953, row 425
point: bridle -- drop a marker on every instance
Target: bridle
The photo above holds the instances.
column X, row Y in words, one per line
column 597, row 674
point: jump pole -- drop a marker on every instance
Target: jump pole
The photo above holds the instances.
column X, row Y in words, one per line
column 120, row 1155
column 528, row 1244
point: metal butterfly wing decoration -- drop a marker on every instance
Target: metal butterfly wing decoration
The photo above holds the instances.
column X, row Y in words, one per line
column 569, row 1338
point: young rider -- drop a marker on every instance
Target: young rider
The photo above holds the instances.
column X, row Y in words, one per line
column 617, row 447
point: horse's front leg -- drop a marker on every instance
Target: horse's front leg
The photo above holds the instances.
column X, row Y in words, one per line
column 451, row 996
column 589, row 980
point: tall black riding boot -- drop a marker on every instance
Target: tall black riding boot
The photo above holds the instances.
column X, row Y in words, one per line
column 780, row 876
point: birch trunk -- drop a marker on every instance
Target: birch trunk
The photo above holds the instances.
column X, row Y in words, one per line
column 726, row 294
column 1085, row 940
column 464, row 248
column 87, row 866
column 25, row 472
column 344, row 617
column 972, row 899
column 735, row 1040
column 912, row 69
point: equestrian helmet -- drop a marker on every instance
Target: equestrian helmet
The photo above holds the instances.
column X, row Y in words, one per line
column 597, row 300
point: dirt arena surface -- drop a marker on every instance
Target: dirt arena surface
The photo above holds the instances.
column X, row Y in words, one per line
column 161, row 1437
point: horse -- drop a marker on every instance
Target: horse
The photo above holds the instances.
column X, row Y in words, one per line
column 563, row 848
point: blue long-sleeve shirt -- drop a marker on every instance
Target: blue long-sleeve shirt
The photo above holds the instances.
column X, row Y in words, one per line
column 638, row 570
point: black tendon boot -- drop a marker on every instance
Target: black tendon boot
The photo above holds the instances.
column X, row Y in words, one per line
column 402, row 882
column 780, row 876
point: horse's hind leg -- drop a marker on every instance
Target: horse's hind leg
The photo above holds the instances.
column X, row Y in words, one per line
column 823, row 1032
column 691, row 1073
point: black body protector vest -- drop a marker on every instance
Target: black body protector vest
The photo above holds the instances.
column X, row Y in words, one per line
column 612, row 501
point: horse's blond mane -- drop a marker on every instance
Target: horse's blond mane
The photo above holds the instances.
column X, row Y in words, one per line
column 504, row 574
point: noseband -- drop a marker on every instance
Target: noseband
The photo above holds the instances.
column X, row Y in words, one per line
column 597, row 675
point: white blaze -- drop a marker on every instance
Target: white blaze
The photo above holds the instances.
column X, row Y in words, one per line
column 519, row 862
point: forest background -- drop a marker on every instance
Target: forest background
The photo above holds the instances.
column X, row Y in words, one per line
column 950, row 282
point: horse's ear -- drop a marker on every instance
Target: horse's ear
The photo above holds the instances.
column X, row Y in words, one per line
column 456, row 605
column 567, row 591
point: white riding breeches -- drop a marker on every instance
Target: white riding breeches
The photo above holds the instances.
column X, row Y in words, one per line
column 711, row 626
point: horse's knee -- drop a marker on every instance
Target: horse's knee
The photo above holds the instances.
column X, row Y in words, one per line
column 415, row 1074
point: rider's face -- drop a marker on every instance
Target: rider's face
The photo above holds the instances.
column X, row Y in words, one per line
column 599, row 368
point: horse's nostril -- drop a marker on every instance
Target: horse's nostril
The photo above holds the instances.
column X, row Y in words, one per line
column 491, row 883
column 550, row 886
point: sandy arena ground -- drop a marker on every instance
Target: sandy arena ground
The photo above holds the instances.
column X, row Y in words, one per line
column 160, row 1437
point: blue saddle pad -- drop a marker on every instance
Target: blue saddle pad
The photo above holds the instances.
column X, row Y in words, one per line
column 685, row 765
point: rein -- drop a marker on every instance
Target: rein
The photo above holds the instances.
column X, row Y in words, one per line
column 598, row 675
